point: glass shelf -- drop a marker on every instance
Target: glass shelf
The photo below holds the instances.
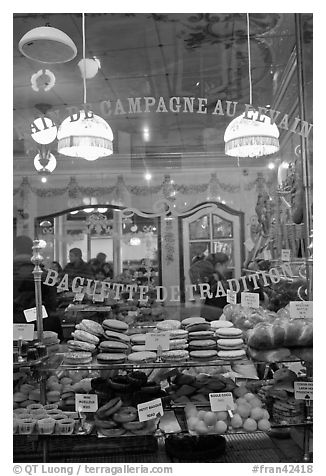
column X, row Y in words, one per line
column 57, row 363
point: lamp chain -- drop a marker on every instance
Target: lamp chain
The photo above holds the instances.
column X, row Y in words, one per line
column 84, row 57
column 249, row 61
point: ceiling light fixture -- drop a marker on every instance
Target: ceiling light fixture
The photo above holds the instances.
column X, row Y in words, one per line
column 43, row 130
column 85, row 135
column 89, row 67
column 46, row 44
column 45, row 162
column 251, row 135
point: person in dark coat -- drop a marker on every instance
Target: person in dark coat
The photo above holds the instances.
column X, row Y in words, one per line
column 212, row 309
column 77, row 266
column 24, row 288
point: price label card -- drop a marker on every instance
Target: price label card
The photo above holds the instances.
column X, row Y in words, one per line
column 285, row 255
column 267, row 255
column 301, row 309
column 303, row 391
column 79, row 297
column 221, row 402
column 250, row 300
column 98, row 298
column 155, row 340
column 150, row 410
column 30, row 314
column 86, row 403
column 23, row 331
column 249, row 244
column 231, row 296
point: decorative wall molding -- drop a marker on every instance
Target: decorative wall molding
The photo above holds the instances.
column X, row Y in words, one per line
column 168, row 188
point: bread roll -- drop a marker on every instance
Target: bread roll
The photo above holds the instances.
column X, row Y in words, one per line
column 281, row 333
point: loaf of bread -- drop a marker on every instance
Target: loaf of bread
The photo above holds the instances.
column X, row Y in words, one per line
column 281, row 333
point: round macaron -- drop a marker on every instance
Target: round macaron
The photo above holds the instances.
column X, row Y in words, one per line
column 201, row 335
column 175, row 355
column 92, row 327
column 229, row 333
column 203, row 354
column 192, row 320
column 111, row 335
column 220, row 324
column 85, row 336
column 113, row 346
column 168, row 325
column 202, row 344
column 228, row 344
column 115, row 325
column 139, row 357
column 138, row 348
column 138, row 339
column 75, row 358
column 80, row 345
column 112, row 357
column 231, row 354
column 203, row 326
column 178, row 334
column 178, row 344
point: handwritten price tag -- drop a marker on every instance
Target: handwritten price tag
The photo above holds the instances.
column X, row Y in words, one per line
column 221, row 402
column 303, row 390
column 86, row 403
column 155, row 340
column 30, row 314
column 301, row 309
column 23, row 331
column 79, row 297
column 285, row 255
column 250, row 300
column 150, row 410
column 231, row 296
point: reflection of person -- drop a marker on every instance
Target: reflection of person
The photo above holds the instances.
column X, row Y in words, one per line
column 24, row 288
column 77, row 266
column 108, row 270
column 98, row 262
column 56, row 266
column 213, row 307
column 202, row 270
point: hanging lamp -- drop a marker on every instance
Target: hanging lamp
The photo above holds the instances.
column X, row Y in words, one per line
column 46, row 44
column 85, row 135
column 251, row 134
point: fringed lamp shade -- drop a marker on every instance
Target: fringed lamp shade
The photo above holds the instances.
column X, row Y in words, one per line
column 251, row 138
column 85, row 137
